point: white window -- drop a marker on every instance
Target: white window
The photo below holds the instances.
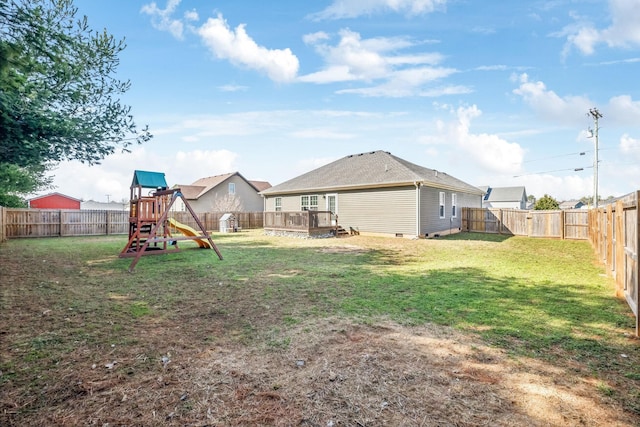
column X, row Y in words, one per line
column 309, row 203
column 454, row 205
column 278, row 202
column 441, row 209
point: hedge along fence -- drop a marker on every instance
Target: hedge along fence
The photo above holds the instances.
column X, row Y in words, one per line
column 558, row 224
column 614, row 233
column 21, row 223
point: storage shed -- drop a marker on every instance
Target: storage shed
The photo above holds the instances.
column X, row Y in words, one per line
column 228, row 223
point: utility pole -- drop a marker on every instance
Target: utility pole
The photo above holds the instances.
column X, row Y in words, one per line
column 596, row 115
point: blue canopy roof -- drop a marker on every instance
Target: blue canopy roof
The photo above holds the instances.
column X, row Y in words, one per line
column 147, row 179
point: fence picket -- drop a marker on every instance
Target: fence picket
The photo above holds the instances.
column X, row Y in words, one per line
column 20, row 223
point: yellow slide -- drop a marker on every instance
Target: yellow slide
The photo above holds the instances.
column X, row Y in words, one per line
column 188, row 231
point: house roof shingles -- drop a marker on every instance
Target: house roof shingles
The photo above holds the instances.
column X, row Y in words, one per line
column 260, row 185
column 369, row 170
column 505, row 194
column 204, row 185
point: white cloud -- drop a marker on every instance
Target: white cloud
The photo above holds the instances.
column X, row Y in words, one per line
column 189, row 166
column 408, row 82
column 205, row 127
column 571, row 110
column 233, row 88
column 324, row 134
column 111, row 180
column 281, row 65
column 331, row 74
column 624, row 30
column 161, row 18
column 314, row 38
column 489, row 152
column 546, row 103
column 630, row 146
column 559, row 187
column 375, row 60
column 191, row 15
column 340, row 9
column 446, row 90
column 623, row 109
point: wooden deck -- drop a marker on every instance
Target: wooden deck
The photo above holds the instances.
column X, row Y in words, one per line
column 310, row 223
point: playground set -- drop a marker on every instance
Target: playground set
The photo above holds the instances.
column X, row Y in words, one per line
column 150, row 227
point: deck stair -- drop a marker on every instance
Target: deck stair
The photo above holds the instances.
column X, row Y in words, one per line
column 341, row 232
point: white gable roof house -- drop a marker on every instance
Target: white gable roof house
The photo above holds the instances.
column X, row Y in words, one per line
column 378, row 193
column 504, row 197
column 230, row 192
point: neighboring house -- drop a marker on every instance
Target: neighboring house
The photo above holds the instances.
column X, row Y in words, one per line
column 379, row 193
column 54, row 201
column 504, row 197
column 230, row 192
column 572, row 204
column 102, row 206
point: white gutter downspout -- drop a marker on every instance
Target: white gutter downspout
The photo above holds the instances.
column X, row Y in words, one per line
column 417, row 184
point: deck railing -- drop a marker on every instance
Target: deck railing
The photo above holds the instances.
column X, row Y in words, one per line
column 312, row 222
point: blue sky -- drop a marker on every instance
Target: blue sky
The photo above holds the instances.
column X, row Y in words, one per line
column 492, row 92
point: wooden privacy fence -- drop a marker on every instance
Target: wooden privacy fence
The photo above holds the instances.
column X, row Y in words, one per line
column 559, row 224
column 18, row 223
column 64, row 222
column 613, row 232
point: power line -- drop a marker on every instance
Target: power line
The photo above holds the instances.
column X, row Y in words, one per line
column 556, row 170
column 582, row 153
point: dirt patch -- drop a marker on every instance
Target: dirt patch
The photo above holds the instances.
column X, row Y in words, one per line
column 339, row 373
column 329, row 372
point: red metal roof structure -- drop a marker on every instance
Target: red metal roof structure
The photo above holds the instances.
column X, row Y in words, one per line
column 54, row 201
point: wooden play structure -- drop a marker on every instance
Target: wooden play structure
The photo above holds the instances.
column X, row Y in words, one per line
column 150, row 227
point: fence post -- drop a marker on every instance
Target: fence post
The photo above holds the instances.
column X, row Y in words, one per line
column 563, row 220
column 468, row 216
column 620, row 237
column 3, row 225
column 612, row 238
column 637, row 263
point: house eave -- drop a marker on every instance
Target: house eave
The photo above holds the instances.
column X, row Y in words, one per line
column 367, row 187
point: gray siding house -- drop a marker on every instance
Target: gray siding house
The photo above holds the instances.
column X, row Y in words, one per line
column 223, row 193
column 378, row 193
column 505, row 197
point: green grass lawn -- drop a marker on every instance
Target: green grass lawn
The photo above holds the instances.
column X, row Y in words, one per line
column 546, row 299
